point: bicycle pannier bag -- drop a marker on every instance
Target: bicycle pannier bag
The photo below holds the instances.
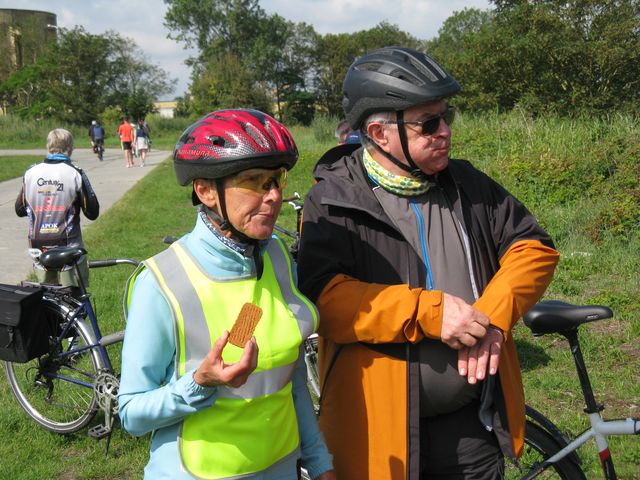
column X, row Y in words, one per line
column 24, row 333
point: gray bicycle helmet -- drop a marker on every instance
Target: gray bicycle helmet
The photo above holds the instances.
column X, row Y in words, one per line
column 393, row 79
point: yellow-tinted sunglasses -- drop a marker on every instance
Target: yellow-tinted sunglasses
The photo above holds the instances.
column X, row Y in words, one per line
column 259, row 180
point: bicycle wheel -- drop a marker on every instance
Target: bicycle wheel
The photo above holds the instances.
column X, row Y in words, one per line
column 45, row 388
column 540, row 445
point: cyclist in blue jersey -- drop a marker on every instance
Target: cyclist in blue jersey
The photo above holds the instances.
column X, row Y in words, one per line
column 53, row 194
column 96, row 133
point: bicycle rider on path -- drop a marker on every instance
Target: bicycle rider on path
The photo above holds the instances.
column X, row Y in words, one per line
column 96, row 133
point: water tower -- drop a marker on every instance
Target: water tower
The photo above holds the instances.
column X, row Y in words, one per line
column 24, row 34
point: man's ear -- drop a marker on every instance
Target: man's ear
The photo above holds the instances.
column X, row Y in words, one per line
column 206, row 192
column 378, row 134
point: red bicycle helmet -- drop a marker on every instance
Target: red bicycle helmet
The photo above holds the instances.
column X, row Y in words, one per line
column 226, row 142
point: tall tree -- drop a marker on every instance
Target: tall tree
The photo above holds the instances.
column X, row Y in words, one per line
column 215, row 25
column 283, row 59
column 225, row 82
column 134, row 83
column 335, row 52
column 269, row 54
column 546, row 55
column 82, row 74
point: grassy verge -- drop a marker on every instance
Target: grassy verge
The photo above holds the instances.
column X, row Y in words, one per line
column 21, row 133
column 591, row 270
column 14, row 166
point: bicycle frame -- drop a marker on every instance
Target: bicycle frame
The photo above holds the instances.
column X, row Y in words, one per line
column 600, row 428
column 85, row 310
column 85, row 307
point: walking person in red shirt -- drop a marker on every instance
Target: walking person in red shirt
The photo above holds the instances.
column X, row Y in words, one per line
column 125, row 131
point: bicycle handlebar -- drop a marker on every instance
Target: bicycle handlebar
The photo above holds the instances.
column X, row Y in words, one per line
column 111, row 262
column 295, row 196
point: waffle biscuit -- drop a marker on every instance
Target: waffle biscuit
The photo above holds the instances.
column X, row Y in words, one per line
column 245, row 324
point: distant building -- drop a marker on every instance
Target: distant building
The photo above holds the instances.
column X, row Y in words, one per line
column 24, row 35
column 166, row 109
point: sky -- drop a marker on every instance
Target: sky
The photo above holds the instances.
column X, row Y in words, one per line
column 142, row 20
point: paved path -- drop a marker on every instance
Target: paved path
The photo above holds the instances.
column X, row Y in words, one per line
column 110, row 180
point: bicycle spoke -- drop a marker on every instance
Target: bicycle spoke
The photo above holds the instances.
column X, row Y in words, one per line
column 56, row 390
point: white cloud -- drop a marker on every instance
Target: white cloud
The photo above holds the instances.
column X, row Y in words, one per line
column 142, row 20
column 420, row 18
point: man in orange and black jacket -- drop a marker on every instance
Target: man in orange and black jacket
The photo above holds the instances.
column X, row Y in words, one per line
column 420, row 265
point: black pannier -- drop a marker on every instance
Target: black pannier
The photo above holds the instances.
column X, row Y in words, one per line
column 24, row 332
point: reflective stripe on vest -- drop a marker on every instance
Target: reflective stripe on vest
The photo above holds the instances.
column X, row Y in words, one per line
column 249, row 428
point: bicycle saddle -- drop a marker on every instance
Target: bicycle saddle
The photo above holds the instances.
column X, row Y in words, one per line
column 554, row 316
column 58, row 257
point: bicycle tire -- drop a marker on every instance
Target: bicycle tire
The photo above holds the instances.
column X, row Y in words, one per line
column 540, row 445
column 58, row 405
column 313, row 379
column 304, row 475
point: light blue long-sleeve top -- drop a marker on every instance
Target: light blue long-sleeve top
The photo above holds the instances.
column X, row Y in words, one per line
column 152, row 399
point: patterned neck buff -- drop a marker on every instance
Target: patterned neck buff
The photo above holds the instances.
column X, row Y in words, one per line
column 396, row 184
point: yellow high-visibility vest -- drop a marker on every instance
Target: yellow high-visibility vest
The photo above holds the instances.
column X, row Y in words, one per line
column 250, row 428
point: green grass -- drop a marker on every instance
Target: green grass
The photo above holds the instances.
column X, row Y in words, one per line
column 14, row 166
column 21, row 133
column 593, row 269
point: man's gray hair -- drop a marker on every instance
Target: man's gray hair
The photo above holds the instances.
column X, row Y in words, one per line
column 60, row 141
column 378, row 117
column 374, row 117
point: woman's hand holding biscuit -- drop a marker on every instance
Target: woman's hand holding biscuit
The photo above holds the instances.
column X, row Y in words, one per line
column 214, row 371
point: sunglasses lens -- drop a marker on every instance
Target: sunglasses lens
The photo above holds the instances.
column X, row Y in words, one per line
column 429, row 127
column 260, row 181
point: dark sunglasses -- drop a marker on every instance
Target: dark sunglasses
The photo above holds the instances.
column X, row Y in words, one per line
column 431, row 124
column 259, row 180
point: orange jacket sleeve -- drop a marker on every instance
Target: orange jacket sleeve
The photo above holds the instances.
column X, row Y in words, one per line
column 355, row 311
column 526, row 269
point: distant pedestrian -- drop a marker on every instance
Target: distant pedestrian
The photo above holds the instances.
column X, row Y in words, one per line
column 53, row 194
column 141, row 141
column 342, row 130
column 126, row 133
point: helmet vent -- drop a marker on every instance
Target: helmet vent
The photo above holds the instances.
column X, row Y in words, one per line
column 216, row 140
column 422, row 68
column 254, row 133
column 392, row 94
column 371, row 66
column 435, row 67
column 400, row 74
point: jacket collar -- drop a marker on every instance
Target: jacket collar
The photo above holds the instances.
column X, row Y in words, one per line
column 57, row 158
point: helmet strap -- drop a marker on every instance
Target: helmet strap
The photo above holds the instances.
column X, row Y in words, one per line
column 412, row 168
column 404, row 142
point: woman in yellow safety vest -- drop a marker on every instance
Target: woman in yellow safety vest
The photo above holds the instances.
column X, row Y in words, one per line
column 218, row 410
